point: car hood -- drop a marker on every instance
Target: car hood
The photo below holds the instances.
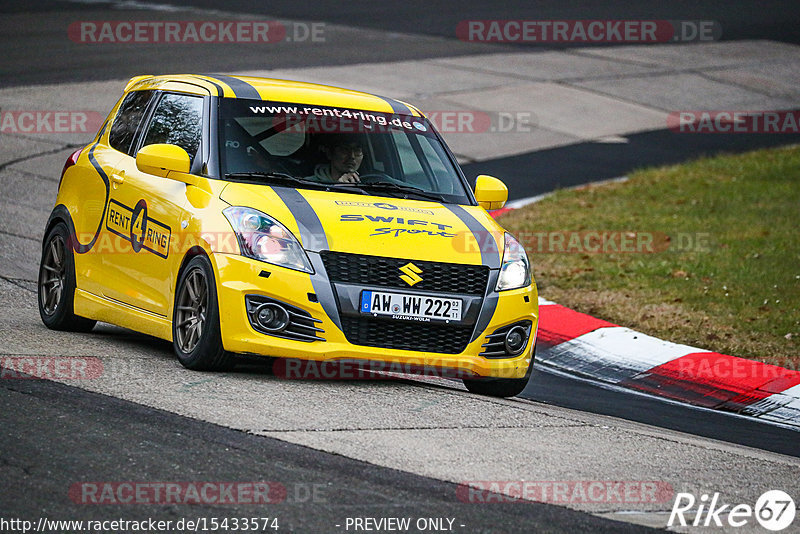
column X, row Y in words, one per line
column 377, row 226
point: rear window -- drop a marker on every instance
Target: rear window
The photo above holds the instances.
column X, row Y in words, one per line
column 128, row 120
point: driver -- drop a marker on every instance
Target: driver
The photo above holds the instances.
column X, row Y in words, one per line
column 344, row 153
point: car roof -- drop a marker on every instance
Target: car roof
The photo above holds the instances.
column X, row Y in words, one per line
column 270, row 89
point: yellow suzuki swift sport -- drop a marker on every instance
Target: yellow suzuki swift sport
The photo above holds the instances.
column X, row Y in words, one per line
column 238, row 215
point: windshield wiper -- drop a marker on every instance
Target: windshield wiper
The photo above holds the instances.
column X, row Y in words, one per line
column 263, row 176
column 282, row 178
column 362, row 188
column 398, row 188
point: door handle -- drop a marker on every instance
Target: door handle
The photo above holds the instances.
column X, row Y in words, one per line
column 118, row 178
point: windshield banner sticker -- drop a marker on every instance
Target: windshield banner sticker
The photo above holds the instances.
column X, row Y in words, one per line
column 321, row 119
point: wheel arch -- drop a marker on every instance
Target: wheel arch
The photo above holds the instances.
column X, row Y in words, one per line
column 190, row 254
column 60, row 214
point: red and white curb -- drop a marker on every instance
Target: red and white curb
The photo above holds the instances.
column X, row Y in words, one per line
column 579, row 344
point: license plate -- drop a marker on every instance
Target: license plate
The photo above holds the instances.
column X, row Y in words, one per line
column 410, row 307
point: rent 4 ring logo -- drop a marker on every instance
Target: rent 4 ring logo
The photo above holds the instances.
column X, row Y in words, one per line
column 774, row 510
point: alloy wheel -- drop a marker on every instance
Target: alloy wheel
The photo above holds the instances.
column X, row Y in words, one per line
column 53, row 275
column 192, row 310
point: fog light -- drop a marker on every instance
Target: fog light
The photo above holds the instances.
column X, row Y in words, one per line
column 272, row 317
column 516, row 338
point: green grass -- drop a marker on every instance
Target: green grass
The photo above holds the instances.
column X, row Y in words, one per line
column 738, row 294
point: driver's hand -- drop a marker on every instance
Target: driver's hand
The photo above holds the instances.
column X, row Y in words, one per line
column 350, row 178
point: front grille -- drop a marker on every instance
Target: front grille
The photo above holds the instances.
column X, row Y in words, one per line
column 385, row 272
column 402, row 335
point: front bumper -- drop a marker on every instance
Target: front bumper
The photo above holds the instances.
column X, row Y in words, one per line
column 239, row 276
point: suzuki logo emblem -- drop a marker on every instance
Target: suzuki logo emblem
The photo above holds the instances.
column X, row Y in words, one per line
column 411, row 274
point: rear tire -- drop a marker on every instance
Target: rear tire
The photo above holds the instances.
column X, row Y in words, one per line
column 196, row 336
column 56, row 287
column 500, row 387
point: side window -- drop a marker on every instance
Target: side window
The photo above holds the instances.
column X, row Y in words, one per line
column 413, row 150
column 128, row 120
column 177, row 120
column 412, row 168
column 436, row 157
column 408, row 159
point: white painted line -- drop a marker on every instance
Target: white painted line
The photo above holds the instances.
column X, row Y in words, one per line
column 782, row 407
column 793, row 391
column 522, row 202
column 613, row 354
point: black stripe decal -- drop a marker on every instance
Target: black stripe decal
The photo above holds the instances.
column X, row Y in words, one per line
column 323, row 289
column 397, row 106
column 312, row 234
column 220, row 90
column 241, row 89
column 489, row 256
column 489, row 305
column 76, row 246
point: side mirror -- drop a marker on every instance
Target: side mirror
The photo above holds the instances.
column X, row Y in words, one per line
column 490, row 192
column 161, row 159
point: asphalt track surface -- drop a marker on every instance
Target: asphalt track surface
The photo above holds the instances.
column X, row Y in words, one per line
column 90, row 432
column 118, row 440
column 543, row 171
column 36, row 51
column 54, row 58
column 739, row 19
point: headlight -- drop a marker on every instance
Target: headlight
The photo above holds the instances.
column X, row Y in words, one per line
column 516, row 270
column 263, row 238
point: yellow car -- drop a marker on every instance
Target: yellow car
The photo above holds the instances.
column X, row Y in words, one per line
column 240, row 215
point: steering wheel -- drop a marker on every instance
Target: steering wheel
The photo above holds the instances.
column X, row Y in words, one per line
column 377, row 176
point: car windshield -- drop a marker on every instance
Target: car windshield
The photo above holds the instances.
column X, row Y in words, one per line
column 347, row 150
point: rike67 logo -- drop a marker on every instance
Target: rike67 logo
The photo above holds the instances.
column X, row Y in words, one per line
column 774, row 510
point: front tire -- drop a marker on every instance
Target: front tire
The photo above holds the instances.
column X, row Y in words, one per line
column 56, row 287
column 196, row 336
column 500, row 387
